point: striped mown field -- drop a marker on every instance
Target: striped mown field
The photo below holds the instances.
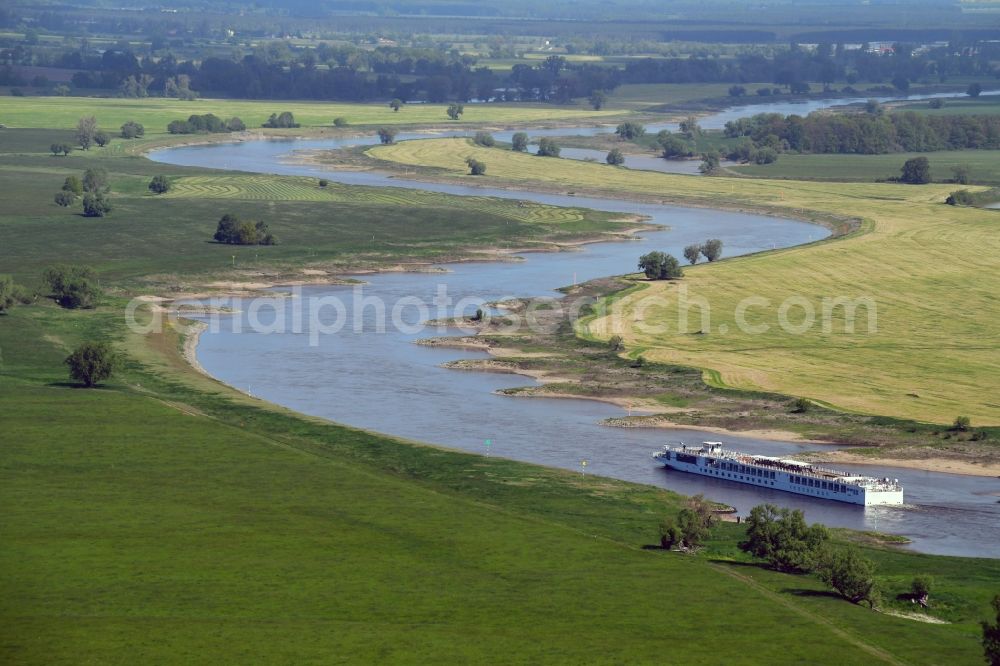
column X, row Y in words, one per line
column 931, row 270
column 271, row 188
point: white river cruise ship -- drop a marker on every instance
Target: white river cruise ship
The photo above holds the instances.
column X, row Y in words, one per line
column 779, row 474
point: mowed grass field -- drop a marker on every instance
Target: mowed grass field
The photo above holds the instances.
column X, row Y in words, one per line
column 156, row 113
column 164, row 519
column 979, row 106
column 932, row 270
column 983, row 165
column 336, row 226
column 639, row 96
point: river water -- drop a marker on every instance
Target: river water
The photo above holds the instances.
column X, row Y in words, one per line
column 380, row 380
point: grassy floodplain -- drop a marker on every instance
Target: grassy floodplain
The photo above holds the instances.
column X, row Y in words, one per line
column 156, row 113
column 984, row 166
column 933, row 271
column 166, row 239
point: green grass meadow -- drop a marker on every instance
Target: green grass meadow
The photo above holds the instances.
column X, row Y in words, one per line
column 156, row 113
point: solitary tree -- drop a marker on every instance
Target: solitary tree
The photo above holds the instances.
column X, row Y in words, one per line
column 159, row 185
column 64, row 198
column 670, row 533
column 476, row 168
column 395, row 104
column 991, row 635
column 101, row 138
column 737, row 91
column 850, row 574
column 86, row 128
column 597, row 99
column 132, row 130
column 7, row 293
column 692, row 253
column 484, row 139
column 616, row 343
column 386, row 135
column 916, row 171
column 455, row 111
column 936, row 103
column 72, row 185
column 712, row 249
column 95, row 180
column 660, row 266
column 615, row 157
column 91, row 363
column 96, row 204
column 628, row 131
column 709, row 163
column 689, row 127
column 519, row 142
column 920, row 589
column 974, row 90
column 962, row 423
column 547, row 147
column 961, row 172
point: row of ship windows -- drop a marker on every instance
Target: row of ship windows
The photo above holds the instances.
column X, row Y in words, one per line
column 740, row 477
column 798, row 480
column 825, row 485
column 749, row 471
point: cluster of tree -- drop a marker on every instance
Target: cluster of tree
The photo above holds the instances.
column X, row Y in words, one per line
column 72, row 287
column 207, row 123
column 658, row 265
column 827, row 64
column 283, row 70
column 12, row 294
column 673, row 147
column 94, row 190
column 710, row 249
column 283, row 120
column 234, row 231
column 88, row 134
column 691, row 526
column 455, row 111
column 61, row 149
column 967, row 198
column 782, row 538
column 476, row 168
column 868, row 133
column 746, row 151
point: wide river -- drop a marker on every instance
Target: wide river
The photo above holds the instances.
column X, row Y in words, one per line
column 373, row 376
